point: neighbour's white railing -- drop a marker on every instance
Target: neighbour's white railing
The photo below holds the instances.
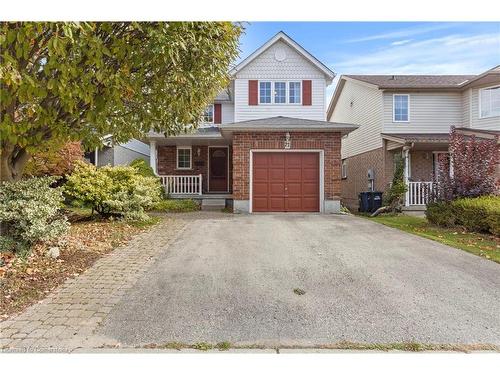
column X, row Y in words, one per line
column 182, row 184
column 419, row 193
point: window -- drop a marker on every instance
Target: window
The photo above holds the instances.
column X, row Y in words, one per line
column 279, row 92
column 208, row 114
column 183, row 157
column 401, row 105
column 265, row 92
column 344, row 168
column 294, row 93
column 489, row 99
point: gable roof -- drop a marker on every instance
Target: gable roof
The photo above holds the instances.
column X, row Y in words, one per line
column 281, row 36
column 413, row 81
column 416, row 82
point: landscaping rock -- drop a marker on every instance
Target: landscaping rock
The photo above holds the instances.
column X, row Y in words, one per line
column 53, row 252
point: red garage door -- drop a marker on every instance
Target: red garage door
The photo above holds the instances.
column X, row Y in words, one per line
column 285, row 182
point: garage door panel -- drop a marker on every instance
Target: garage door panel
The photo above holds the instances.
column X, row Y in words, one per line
column 294, row 188
column 294, row 174
column 276, row 174
column 260, row 188
column 260, row 174
column 277, row 188
column 277, row 204
column 285, row 181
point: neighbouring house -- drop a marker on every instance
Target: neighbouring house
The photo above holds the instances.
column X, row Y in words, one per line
column 408, row 116
column 264, row 145
column 118, row 154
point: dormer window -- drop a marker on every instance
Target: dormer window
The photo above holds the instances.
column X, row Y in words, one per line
column 208, row 114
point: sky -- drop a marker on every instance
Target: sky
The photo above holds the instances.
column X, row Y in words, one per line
column 388, row 47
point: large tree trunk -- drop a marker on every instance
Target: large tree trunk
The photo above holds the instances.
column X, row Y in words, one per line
column 12, row 162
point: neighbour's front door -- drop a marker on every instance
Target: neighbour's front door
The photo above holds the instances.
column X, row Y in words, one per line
column 217, row 174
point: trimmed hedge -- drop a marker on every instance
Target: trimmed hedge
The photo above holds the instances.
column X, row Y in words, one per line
column 177, row 205
column 480, row 214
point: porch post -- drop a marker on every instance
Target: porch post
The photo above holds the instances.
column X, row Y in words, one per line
column 406, row 152
column 152, row 156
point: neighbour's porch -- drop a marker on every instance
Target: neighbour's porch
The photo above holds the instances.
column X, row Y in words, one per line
column 421, row 154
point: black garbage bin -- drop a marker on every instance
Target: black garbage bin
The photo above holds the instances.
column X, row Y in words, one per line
column 369, row 201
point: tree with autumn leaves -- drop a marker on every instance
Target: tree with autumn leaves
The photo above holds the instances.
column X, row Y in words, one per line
column 64, row 82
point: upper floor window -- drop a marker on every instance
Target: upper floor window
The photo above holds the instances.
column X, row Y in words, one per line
column 279, row 92
column 401, row 108
column 294, row 92
column 489, row 98
column 208, row 114
column 265, row 92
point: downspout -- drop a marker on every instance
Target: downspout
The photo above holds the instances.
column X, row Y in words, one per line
column 96, row 157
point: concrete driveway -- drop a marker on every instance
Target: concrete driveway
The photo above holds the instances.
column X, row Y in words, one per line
column 232, row 278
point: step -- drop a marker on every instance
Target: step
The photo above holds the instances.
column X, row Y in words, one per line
column 209, row 204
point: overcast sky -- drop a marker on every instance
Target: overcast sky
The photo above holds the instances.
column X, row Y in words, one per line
column 388, row 47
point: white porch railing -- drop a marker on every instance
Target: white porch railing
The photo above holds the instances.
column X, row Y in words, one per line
column 419, row 193
column 182, row 184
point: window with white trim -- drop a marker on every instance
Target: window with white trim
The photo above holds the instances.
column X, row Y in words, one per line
column 294, row 92
column 489, row 99
column 344, row 168
column 208, row 114
column 184, row 157
column 401, row 108
column 265, row 92
column 279, row 92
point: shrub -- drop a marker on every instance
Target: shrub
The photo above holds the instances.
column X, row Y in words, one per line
column 177, row 205
column 480, row 214
column 473, row 163
column 441, row 214
column 30, row 212
column 394, row 196
column 114, row 190
column 54, row 161
column 142, row 168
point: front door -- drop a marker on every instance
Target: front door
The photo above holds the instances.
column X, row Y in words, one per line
column 217, row 174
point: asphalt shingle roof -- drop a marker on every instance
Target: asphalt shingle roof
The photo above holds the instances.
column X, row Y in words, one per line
column 413, row 81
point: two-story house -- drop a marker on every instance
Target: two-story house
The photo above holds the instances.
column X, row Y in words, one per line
column 264, row 144
column 409, row 117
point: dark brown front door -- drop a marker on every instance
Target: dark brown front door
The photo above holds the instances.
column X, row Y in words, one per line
column 217, row 174
column 285, row 182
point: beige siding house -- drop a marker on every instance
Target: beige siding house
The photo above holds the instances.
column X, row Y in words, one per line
column 408, row 116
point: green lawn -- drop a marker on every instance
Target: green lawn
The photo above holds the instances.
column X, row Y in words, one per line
column 481, row 244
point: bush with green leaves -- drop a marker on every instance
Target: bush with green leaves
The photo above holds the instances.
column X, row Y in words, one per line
column 178, row 205
column 142, row 167
column 30, row 212
column 394, row 196
column 481, row 214
column 117, row 190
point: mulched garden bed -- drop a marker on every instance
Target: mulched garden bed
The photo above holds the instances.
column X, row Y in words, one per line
column 26, row 281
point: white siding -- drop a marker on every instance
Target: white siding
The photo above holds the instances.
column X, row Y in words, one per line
column 366, row 111
column 293, row 67
column 227, row 112
column 466, row 114
column 489, row 123
column 429, row 113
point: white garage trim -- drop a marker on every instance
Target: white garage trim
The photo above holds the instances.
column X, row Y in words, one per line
column 321, row 174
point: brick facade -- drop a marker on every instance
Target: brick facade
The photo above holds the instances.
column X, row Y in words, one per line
column 243, row 142
column 357, row 174
column 167, row 163
column 421, row 166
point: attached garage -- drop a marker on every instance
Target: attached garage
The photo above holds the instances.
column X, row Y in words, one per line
column 286, row 182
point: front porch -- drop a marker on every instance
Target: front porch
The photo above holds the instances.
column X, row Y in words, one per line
column 421, row 155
